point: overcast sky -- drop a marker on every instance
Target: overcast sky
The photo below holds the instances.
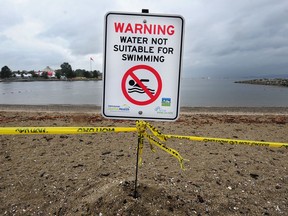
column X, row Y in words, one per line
column 223, row 38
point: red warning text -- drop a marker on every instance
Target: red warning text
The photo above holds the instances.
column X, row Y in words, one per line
column 143, row 28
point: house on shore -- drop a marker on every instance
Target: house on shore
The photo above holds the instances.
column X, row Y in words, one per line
column 50, row 72
column 23, row 75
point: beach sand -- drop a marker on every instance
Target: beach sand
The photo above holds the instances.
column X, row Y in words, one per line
column 94, row 174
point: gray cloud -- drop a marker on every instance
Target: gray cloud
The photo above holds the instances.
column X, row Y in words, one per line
column 9, row 15
column 252, row 40
column 221, row 38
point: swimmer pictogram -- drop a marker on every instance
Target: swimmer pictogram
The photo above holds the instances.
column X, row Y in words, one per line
column 136, row 88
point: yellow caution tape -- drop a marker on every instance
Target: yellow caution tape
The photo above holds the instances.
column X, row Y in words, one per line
column 169, row 150
column 62, row 130
column 141, row 145
column 156, row 132
column 141, row 128
column 228, row 141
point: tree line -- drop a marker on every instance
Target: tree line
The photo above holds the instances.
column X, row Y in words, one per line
column 64, row 71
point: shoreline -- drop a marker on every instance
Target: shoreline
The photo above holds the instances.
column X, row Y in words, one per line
column 183, row 110
column 48, row 80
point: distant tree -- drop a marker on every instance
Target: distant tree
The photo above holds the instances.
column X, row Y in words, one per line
column 45, row 75
column 79, row 72
column 95, row 74
column 5, row 72
column 66, row 69
column 58, row 74
column 34, row 75
column 87, row 74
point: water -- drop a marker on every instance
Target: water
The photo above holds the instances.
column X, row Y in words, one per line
column 51, row 92
column 226, row 93
column 194, row 93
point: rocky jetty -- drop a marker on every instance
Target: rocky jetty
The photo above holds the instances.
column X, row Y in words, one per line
column 275, row 82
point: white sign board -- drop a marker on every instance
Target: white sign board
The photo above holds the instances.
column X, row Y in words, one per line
column 142, row 64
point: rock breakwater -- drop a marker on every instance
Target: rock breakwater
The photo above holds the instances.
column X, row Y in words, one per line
column 274, row 82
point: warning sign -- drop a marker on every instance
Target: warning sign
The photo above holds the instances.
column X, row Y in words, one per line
column 142, row 65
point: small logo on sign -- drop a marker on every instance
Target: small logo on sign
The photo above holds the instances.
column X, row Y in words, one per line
column 166, row 102
column 159, row 110
column 118, row 108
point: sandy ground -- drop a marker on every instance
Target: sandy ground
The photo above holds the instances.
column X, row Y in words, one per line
column 94, row 174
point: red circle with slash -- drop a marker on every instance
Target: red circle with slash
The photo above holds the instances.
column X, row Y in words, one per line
column 131, row 73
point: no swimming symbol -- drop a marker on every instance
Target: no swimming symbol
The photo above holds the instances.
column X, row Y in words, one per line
column 137, row 85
